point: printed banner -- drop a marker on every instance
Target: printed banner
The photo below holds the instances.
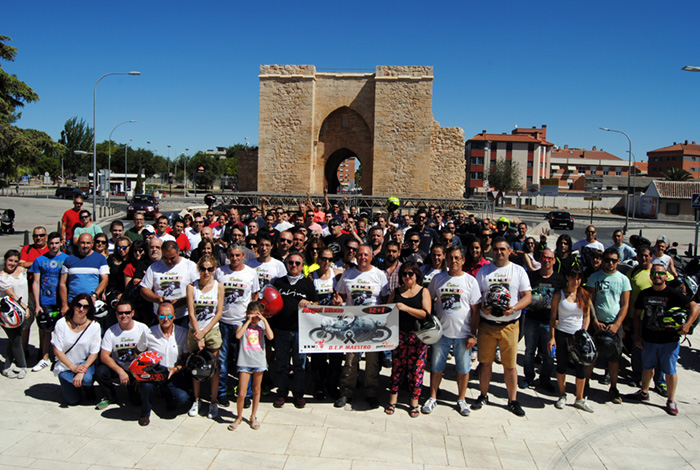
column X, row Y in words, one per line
column 324, row 328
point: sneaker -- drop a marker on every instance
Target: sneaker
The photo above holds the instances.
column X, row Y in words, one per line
column 103, row 404
column 223, row 400
column 583, row 405
column 9, row 373
column 22, row 373
column 639, row 395
column 429, row 406
column 299, row 402
column 43, row 364
column 463, row 408
column 524, row 384
column 615, row 396
column 671, row 408
column 479, row 403
column 194, row 409
column 341, row 402
column 561, row 403
column 498, row 356
column 279, row 402
column 605, row 380
column 661, row 389
column 372, row 402
column 515, row 408
column 213, row 411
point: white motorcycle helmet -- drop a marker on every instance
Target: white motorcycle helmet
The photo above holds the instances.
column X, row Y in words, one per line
column 429, row 331
column 101, row 309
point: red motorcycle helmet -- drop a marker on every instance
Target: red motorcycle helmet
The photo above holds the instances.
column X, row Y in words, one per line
column 12, row 314
column 147, row 368
column 272, row 299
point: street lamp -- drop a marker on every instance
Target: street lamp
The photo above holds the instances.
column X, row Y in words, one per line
column 126, row 147
column 691, row 68
column 629, row 177
column 184, row 171
column 83, row 152
column 94, row 143
column 109, row 162
column 171, row 185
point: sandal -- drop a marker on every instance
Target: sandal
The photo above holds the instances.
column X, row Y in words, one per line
column 390, row 408
column 254, row 424
column 232, row 427
column 414, row 412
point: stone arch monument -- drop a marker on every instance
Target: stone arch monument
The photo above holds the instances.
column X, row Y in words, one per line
column 311, row 121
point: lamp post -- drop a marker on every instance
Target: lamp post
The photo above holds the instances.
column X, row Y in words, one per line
column 170, row 184
column 94, row 143
column 691, row 68
column 109, row 161
column 184, row 171
column 83, row 152
column 629, row 177
column 126, row 192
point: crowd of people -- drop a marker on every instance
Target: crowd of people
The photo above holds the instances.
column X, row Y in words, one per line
column 190, row 290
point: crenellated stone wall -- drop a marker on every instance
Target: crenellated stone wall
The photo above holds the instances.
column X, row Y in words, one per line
column 310, row 121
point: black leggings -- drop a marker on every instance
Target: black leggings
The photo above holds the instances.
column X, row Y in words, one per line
column 563, row 355
column 14, row 353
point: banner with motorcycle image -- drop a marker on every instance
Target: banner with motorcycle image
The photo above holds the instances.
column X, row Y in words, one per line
column 324, row 328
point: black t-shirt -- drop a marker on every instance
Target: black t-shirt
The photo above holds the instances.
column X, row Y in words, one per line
column 407, row 322
column 337, row 244
column 288, row 318
column 654, row 304
column 543, row 289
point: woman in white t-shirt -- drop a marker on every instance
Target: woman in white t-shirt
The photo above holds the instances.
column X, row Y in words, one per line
column 13, row 283
column 76, row 343
column 205, row 303
column 571, row 311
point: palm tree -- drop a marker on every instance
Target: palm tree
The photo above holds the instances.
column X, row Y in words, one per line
column 677, row 174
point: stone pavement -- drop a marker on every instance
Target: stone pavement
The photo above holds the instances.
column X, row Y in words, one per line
column 36, row 432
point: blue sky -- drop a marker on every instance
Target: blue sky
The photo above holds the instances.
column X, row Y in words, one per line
column 574, row 66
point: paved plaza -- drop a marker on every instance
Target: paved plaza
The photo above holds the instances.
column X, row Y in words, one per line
column 36, row 432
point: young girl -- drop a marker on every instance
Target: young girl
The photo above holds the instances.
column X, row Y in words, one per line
column 251, row 359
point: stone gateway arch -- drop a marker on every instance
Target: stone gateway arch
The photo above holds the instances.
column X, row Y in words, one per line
column 311, row 121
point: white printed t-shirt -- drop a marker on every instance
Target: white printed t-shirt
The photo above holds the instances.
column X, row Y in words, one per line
column 456, row 295
column 123, row 344
column 512, row 276
column 239, row 286
column 268, row 271
column 363, row 288
column 170, row 283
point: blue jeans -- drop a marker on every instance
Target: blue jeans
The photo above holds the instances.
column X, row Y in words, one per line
column 173, row 391
column 537, row 335
column 71, row 393
column 286, row 347
column 441, row 349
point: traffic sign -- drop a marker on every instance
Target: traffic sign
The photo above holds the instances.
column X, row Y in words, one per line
column 494, row 193
column 533, row 189
column 519, row 193
column 695, row 204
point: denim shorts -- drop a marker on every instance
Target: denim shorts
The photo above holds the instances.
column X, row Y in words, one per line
column 250, row 370
column 462, row 355
column 664, row 355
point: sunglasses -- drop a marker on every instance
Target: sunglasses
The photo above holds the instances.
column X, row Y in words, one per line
column 285, row 240
column 170, row 316
column 408, row 274
column 547, row 258
column 139, row 250
column 122, row 248
column 351, row 248
column 83, row 306
column 128, row 312
column 611, row 260
column 658, row 274
column 78, row 203
column 590, row 231
column 41, row 235
column 100, row 242
column 294, row 263
column 208, row 270
column 325, row 258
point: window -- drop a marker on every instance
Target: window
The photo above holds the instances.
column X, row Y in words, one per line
column 477, row 160
column 529, row 164
column 476, row 176
column 581, row 169
column 618, row 171
column 673, row 208
column 606, row 172
column 529, row 179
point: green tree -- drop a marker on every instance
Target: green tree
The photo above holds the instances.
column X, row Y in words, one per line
column 77, row 135
column 504, row 176
column 677, row 174
column 18, row 146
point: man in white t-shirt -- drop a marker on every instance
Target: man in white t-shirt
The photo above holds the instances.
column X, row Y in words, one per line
column 167, row 279
column 587, row 245
column 362, row 285
column 241, row 287
column 119, row 349
column 161, row 229
column 456, row 298
column 267, row 268
column 194, row 233
column 498, row 327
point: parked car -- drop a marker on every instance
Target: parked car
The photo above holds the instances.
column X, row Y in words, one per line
column 69, row 192
column 145, row 204
column 559, row 219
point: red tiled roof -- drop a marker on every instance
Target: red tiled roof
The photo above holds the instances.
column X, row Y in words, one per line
column 677, row 189
column 584, row 154
column 509, row 138
column 642, row 166
column 685, row 149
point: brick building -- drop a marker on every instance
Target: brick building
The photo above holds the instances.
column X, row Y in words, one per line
column 685, row 156
column 528, row 147
column 569, row 164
